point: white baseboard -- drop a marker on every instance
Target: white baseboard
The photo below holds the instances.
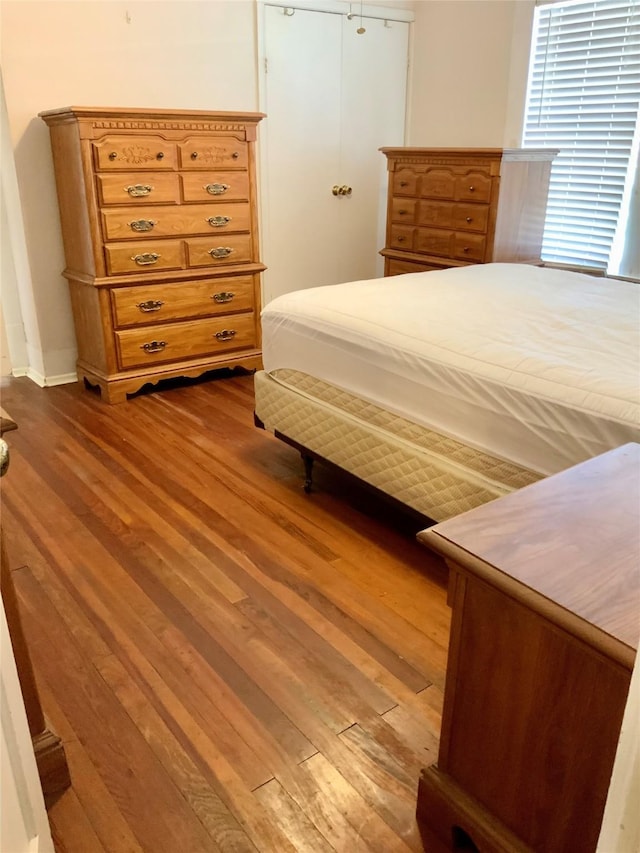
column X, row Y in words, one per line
column 44, row 381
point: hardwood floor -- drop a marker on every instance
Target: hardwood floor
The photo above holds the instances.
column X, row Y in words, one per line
column 232, row 664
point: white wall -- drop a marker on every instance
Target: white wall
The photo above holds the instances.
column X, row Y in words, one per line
column 470, row 72
column 180, row 54
column 201, row 54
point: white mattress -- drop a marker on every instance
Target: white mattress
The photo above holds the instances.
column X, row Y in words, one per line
column 537, row 366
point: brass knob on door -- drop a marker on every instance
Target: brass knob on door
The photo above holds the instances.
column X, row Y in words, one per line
column 343, row 190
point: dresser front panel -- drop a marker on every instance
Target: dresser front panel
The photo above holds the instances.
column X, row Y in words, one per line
column 138, row 188
column 138, row 257
column 463, row 217
column 219, row 251
column 215, row 186
column 217, row 153
column 155, row 303
column 449, row 244
column 149, row 222
column 178, row 341
column 134, row 152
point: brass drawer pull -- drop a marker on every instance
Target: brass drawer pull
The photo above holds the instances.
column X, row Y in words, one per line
column 224, row 296
column 466, row 249
column 150, row 305
column 403, row 212
column 401, row 239
column 226, row 334
column 235, row 155
column 138, row 190
column 142, row 224
column 469, row 219
column 146, row 258
column 472, row 189
column 194, row 155
column 159, row 155
column 216, row 189
column 113, row 155
column 404, row 184
column 154, row 346
column 220, row 252
column 218, row 221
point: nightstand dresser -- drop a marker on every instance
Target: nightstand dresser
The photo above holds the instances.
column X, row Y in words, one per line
column 545, row 592
column 160, row 229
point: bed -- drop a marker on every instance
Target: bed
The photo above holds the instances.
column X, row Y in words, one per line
column 447, row 389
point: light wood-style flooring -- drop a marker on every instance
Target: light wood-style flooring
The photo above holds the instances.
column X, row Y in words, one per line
column 232, row 664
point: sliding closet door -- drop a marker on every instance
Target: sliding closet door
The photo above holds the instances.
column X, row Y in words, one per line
column 332, row 98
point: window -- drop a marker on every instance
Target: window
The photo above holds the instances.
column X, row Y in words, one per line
column 584, row 98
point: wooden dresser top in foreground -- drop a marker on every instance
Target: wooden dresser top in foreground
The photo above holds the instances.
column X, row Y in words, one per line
column 569, row 543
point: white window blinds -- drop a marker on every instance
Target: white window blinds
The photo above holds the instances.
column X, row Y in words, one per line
column 583, row 98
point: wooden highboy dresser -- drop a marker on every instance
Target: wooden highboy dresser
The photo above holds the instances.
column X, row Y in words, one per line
column 545, row 593
column 449, row 207
column 159, row 222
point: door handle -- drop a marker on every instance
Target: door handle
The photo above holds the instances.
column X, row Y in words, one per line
column 343, row 190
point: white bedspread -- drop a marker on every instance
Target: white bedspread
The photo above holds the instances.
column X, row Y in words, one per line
column 538, row 366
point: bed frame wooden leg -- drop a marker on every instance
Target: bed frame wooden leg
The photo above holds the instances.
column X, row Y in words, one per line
column 308, row 471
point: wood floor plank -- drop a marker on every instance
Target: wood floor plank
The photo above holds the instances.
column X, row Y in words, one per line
column 203, row 797
column 71, row 828
column 233, row 664
column 367, row 830
column 98, row 806
column 101, row 600
column 214, row 521
column 159, row 585
column 292, row 819
column 100, row 721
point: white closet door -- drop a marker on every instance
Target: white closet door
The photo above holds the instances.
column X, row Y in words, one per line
column 374, row 85
column 332, row 98
column 302, row 103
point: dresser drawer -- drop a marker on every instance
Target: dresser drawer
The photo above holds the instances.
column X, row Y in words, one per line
column 149, row 221
column 474, row 186
column 396, row 267
column 405, row 182
column 455, row 183
column 147, row 257
column 403, row 210
column 401, row 237
column 134, row 152
column 215, row 186
column 468, row 247
column 217, row 153
column 212, row 251
column 466, row 217
column 450, row 244
column 438, row 183
column 138, row 188
column 141, row 305
column 176, row 341
column 434, row 241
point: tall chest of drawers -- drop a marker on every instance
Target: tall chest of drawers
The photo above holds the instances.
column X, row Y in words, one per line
column 159, row 221
column 450, row 207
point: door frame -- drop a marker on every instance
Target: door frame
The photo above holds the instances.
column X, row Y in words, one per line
column 335, row 7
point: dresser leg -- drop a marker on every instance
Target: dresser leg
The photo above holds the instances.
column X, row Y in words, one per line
column 51, row 761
